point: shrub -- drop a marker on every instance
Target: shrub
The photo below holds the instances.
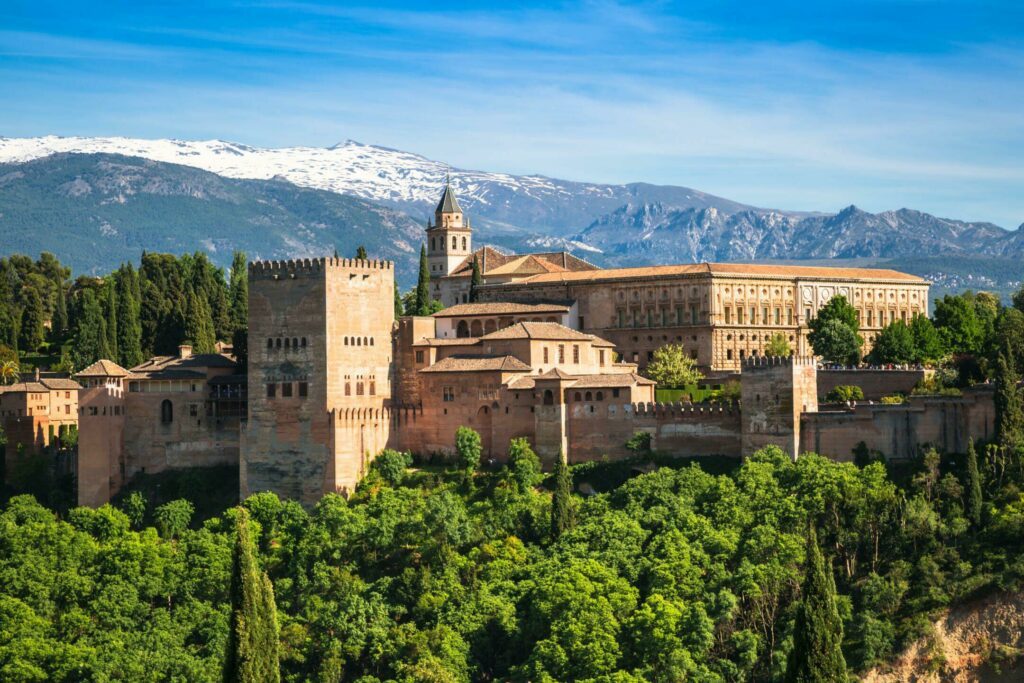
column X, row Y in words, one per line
column 844, row 393
column 391, row 465
column 894, row 400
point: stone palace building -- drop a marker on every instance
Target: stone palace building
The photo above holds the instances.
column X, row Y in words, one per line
column 552, row 351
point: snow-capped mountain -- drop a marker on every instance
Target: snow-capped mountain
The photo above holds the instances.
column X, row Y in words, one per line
column 397, row 179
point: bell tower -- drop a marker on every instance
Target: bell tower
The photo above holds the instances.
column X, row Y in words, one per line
column 449, row 239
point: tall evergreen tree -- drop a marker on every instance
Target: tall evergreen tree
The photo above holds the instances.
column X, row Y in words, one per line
column 239, row 291
column 110, row 315
column 129, row 329
column 561, row 500
column 1009, row 405
column 253, row 641
column 361, row 253
column 199, row 328
column 32, row 331
column 475, row 281
column 59, row 321
column 399, row 309
column 91, row 334
column 817, row 655
column 973, row 486
column 423, row 284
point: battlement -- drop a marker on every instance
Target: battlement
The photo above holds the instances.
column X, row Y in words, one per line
column 292, row 268
column 679, row 410
column 755, row 363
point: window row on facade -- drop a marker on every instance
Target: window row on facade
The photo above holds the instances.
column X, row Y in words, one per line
column 434, row 241
column 358, row 341
column 287, row 389
column 285, row 343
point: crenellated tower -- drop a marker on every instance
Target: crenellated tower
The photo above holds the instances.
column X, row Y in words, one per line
column 449, row 239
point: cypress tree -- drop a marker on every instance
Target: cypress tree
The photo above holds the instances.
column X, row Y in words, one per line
column 423, row 284
column 253, row 640
column 973, row 486
column 475, row 281
column 1009, row 405
column 129, row 329
column 399, row 310
column 361, row 253
column 32, row 332
column 110, row 315
column 561, row 501
column 91, row 336
column 59, row 322
column 817, row 656
column 239, row 291
column 199, row 325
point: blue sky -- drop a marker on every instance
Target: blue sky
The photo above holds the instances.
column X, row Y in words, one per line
column 797, row 105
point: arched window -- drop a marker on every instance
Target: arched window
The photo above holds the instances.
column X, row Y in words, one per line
column 462, row 329
column 346, row 341
column 359, row 342
column 600, row 396
column 371, row 341
column 588, row 397
column 295, row 342
column 287, row 343
column 549, row 398
column 455, row 242
column 433, row 247
column 365, row 340
column 270, row 343
column 476, row 329
column 577, row 397
column 303, row 342
column 278, row 343
column 166, row 412
column 464, row 244
column 348, row 388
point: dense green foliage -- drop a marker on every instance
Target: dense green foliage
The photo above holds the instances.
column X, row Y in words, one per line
column 834, row 332
column 778, row 346
column 672, row 368
column 844, row 393
column 125, row 316
column 673, row 575
column 894, row 344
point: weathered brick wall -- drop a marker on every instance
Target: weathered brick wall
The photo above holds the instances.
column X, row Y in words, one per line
column 897, row 431
column 599, row 429
column 775, row 391
column 874, row 383
column 100, row 444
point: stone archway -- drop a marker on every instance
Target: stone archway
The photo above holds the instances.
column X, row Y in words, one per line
column 476, row 329
column 462, row 329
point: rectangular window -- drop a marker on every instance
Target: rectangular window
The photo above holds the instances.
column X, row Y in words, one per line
column 600, row 357
column 728, row 315
column 807, row 315
column 728, row 354
column 359, row 388
column 650, row 318
column 271, row 390
column 583, row 325
column 348, row 388
column 303, row 389
column 892, row 317
column 419, row 356
column 545, row 355
column 778, row 316
column 615, row 393
column 576, row 354
column 789, row 316
column 739, row 315
column 764, row 315
column 622, row 318
column 693, row 314
column 679, row 315
column 373, row 388
column 448, row 394
column 871, row 318
column 753, row 315
column 286, row 390
column 561, row 353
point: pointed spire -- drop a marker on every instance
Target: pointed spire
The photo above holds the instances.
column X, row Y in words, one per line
column 448, row 203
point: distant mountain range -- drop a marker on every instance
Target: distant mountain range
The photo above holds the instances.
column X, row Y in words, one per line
column 94, row 202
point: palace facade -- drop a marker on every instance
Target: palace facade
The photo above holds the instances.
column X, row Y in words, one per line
column 552, row 351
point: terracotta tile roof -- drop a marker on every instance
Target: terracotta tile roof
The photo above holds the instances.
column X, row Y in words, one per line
column 532, row 330
column 174, row 367
column 501, row 308
column 491, row 260
column 446, row 341
column 554, row 373
column 24, row 387
column 59, row 383
column 478, row 364
column 729, row 269
column 611, row 380
column 103, row 368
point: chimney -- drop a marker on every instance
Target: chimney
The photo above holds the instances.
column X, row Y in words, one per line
column 185, row 351
column 37, row 374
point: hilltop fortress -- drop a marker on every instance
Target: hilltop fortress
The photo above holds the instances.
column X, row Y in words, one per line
column 552, row 350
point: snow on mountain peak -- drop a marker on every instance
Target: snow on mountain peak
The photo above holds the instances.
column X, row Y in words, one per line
column 349, row 167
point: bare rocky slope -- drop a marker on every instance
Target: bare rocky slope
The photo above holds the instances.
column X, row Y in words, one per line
column 979, row 642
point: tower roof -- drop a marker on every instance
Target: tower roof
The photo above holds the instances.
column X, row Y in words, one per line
column 448, row 203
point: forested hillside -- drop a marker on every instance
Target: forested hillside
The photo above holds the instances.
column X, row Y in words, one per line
column 427, row 575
